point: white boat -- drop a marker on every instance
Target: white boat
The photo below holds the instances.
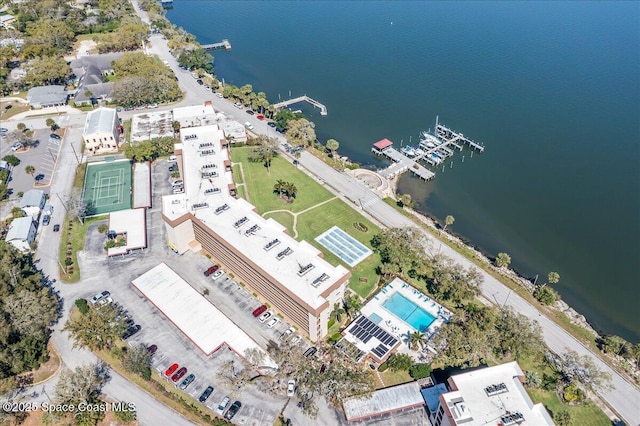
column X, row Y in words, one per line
column 429, row 140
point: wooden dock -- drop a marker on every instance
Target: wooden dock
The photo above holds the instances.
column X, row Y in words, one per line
column 223, row 45
column 305, row 98
column 449, row 137
column 401, row 163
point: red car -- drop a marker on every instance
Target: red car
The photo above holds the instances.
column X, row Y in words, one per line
column 179, row 374
column 260, row 117
column 259, row 311
column 171, row 370
column 211, row 270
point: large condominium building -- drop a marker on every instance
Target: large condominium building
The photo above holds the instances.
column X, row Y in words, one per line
column 489, row 396
column 289, row 275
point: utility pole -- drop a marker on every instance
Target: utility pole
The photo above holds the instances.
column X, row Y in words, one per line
column 74, row 152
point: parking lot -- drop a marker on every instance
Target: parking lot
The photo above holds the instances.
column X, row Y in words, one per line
column 258, row 407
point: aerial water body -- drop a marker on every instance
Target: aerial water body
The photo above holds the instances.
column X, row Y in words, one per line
column 551, row 88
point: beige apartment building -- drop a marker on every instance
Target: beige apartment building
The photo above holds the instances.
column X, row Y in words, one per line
column 290, row 276
column 101, row 133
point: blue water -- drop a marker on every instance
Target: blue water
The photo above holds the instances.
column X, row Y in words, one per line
column 375, row 318
column 551, row 88
column 408, row 312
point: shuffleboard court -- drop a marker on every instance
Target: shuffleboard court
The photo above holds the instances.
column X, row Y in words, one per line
column 107, row 187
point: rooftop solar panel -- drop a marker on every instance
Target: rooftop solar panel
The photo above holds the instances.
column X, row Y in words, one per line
column 360, row 319
column 366, row 338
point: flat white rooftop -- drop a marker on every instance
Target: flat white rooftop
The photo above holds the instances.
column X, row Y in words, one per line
column 383, row 401
column 151, row 124
column 141, row 185
column 195, row 316
column 490, row 395
column 131, row 222
column 195, row 115
column 295, row 265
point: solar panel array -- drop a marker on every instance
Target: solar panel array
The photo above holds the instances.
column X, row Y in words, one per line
column 364, row 330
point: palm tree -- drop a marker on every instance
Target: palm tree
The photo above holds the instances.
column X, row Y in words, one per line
column 416, row 339
column 503, row 260
column 352, row 305
column 279, row 187
column 448, row 221
column 553, row 277
column 333, row 145
column 30, row 169
column 290, row 190
column 338, row 312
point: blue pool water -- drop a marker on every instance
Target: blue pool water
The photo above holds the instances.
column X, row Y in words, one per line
column 343, row 245
column 408, row 312
column 375, row 318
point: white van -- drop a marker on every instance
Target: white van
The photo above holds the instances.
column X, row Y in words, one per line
column 248, row 125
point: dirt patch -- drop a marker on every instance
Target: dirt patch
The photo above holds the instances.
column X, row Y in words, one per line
column 86, row 47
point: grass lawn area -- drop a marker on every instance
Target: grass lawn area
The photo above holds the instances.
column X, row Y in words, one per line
column 241, row 191
column 283, row 218
column 391, row 378
column 237, row 176
column 16, row 108
column 584, row 415
column 338, row 213
column 260, row 184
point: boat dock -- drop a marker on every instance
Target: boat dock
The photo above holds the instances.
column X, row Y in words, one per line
column 401, row 163
column 449, row 137
column 224, row 44
column 433, row 149
column 305, row 98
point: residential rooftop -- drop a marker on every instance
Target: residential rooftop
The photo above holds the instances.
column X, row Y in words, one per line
column 100, row 120
column 383, row 401
column 297, row 266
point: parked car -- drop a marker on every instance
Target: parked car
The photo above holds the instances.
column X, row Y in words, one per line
column 16, row 146
column 187, row 381
column 248, row 125
column 220, row 95
column 54, row 136
column 291, row 387
column 223, row 404
column 152, row 349
column 211, row 270
column 233, row 410
column 200, row 82
column 250, row 112
column 178, row 374
column 260, row 117
column 99, row 296
column 271, row 124
column 206, row 394
column 273, row 322
column 265, row 316
column 311, row 351
column 172, row 369
column 46, row 219
column 259, row 310
column 56, row 227
column 131, row 331
column 217, row 274
column 287, row 333
column 238, row 105
column 296, row 340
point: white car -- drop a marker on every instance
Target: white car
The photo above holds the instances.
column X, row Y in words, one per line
column 217, row 274
column 16, row 146
column 248, row 125
column 238, row 105
column 296, row 340
column 220, row 95
column 223, row 405
column 273, row 322
column 287, row 333
column 291, row 387
column 265, row 316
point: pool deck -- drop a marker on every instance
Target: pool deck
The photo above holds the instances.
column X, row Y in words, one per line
column 396, row 326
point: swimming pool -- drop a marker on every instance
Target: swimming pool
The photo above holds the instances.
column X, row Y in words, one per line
column 343, row 245
column 408, row 312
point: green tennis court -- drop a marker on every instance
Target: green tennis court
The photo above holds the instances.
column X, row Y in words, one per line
column 107, row 187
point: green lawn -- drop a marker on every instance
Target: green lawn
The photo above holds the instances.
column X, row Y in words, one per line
column 283, row 218
column 237, row 176
column 241, row 192
column 338, row 213
column 584, row 415
column 260, row 184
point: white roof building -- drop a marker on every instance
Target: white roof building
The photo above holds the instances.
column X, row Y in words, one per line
column 290, row 275
column 383, row 401
column 193, row 314
column 195, row 115
column 131, row 224
column 489, row 396
column 22, row 232
column 101, row 131
column 32, row 202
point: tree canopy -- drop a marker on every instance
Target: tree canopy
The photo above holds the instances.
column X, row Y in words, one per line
column 402, row 252
column 27, row 310
column 300, row 132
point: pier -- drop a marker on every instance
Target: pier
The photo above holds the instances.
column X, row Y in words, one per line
column 305, row 98
column 433, row 149
column 224, row 44
column 401, row 163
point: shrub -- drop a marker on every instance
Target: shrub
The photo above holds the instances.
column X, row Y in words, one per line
column 360, row 226
column 546, row 295
column 117, row 352
column 420, row 371
column 20, row 194
column 573, row 393
column 400, row 362
column 334, row 338
column 125, row 416
column 383, row 366
column 82, row 306
column 11, row 159
column 103, row 228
